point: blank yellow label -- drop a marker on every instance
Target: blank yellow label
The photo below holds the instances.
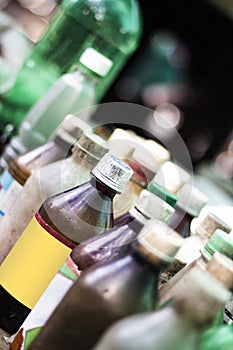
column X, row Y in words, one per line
column 32, row 263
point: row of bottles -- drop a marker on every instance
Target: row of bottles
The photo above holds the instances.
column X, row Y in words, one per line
column 72, row 221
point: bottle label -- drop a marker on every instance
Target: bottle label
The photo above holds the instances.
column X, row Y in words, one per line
column 32, row 263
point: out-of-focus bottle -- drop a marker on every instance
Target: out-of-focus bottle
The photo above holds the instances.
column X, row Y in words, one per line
column 72, row 93
column 192, row 245
column 116, row 242
column 145, row 165
column 216, row 338
column 178, row 326
column 23, row 166
column 218, row 242
column 220, row 267
column 47, row 181
column 189, row 205
column 172, row 176
column 64, row 220
column 113, row 29
column 110, row 291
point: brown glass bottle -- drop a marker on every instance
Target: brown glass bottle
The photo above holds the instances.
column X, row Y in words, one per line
column 189, row 204
column 108, row 292
column 69, row 217
column 116, row 242
column 58, row 148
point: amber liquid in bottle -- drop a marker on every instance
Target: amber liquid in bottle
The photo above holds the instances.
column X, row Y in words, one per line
column 70, row 217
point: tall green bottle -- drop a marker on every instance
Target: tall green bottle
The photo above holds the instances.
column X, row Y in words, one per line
column 111, row 27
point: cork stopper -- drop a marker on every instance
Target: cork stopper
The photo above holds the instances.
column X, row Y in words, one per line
column 220, row 242
column 209, row 224
column 113, row 172
column 71, row 128
column 162, row 193
column 91, row 147
column 221, row 267
column 172, row 177
column 153, row 207
column 191, row 200
column 160, row 153
column 202, row 297
column 158, row 243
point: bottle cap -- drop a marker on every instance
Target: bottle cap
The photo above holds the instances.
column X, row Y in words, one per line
column 220, row 242
column 160, row 153
column 172, row 177
column 158, row 242
column 96, row 62
column 122, row 143
column 221, row 267
column 154, row 207
column 209, row 224
column 201, row 297
column 91, row 147
column 191, row 200
column 162, row 193
column 113, row 172
column 145, row 159
column 71, row 128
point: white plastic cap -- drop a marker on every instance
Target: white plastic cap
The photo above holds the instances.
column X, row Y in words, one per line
column 172, row 176
column 153, row 207
column 96, row 62
column 122, row 143
column 160, row 153
column 142, row 156
column 158, row 242
column 113, row 172
column 191, row 200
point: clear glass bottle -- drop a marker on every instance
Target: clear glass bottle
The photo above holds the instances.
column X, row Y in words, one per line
column 218, row 242
column 189, row 205
column 178, row 326
column 23, row 166
column 116, row 242
column 110, row 291
column 46, row 181
column 72, row 93
column 111, row 28
column 64, row 220
column 192, row 245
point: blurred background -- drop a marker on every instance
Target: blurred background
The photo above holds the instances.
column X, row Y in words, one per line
column 182, row 70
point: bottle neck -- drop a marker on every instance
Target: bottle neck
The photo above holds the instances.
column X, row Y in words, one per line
column 89, row 74
column 84, row 158
column 63, row 143
column 101, row 187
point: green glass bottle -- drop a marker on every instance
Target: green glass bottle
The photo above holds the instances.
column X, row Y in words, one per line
column 110, row 27
column 217, row 338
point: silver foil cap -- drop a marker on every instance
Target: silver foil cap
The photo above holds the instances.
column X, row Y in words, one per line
column 113, row 172
column 92, row 145
column 71, row 128
column 191, row 199
column 154, row 207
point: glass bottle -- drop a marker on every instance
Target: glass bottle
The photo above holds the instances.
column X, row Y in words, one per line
column 110, row 291
column 177, row 326
column 192, row 245
column 172, row 177
column 47, row 181
column 144, row 167
column 111, row 28
column 220, row 267
column 116, row 242
column 64, row 220
column 218, row 242
column 22, row 166
column 189, row 205
column 73, row 93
